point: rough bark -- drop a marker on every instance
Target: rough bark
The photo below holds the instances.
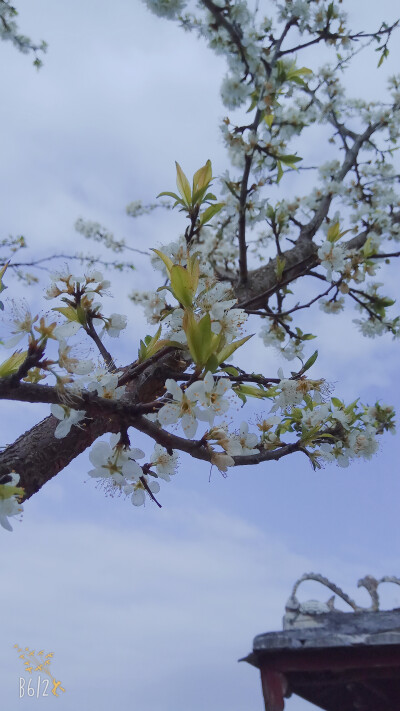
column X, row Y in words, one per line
column 38, row 456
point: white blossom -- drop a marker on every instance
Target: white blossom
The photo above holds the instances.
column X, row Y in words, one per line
column 138, row 490
column 67, row 417
column 312, row 418
column 229, row 322
column 106, row 385
column 183, row 406
column 164, row 463
column 115, row 462
column 332, row 258
column 222, row 461
column 114, row 324
column 65, row 330
column 290, row 394
column 21, row 323
column 363, row 443
column 244, row 442
column 210, row 396
column 234, row 92
column 294, row 349
column 71, row 364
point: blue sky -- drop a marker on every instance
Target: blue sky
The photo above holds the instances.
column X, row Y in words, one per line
column 146, row 608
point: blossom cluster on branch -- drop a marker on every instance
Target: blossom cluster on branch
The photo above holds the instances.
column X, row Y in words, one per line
column 253, row 251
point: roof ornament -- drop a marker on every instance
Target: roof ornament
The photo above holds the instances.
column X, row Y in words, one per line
column 303, row 614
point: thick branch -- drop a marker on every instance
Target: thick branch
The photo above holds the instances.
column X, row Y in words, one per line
column 198, row 450
column 38, row 456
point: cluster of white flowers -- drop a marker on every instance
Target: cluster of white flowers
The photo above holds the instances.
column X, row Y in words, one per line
column 95, row 231
column 332, row 258
column 235, row 92
column 166, row 8
column 275, row 336
column 106, row 384
column 332, row 306
column 137, row 208
column 116, row 466
column 371, row 327
column 294, row 349
column 232, row 445
column 185, row 404
column 292, row 392
column 359, row 443
column 224, row 318
column 116, row 463
column 328, row 431
column 154, row 304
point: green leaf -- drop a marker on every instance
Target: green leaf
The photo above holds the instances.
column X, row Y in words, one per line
column 349, row 410
column 251, row 391
column 336, row 402
column 167, row 261
column 150, row 346
column 384, row 54
column 202, row 342
column 308, row 436
column 368, row 249
column 183, row 185
column 212, row 363
column 11, row 365
column 289, row 159
column 241, row 396
column 269, row 119
column 302, row 71
column 177, row 199
column 307, row 365
column 202, row 177
column 254, row 101
column 280, row 171
column 212, row 210
column 334, row 233
column 7, row 491
column 181, row 284
column 2, row 272
column 280, row 266
column 82, row 315
column 68, row 311
column 198, row 196
column 231, row 370
column 232, row 347
column 330, row 11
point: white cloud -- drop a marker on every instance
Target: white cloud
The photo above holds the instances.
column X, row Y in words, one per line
column 149, row 615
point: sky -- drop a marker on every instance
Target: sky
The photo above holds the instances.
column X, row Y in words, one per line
column 146, row 608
